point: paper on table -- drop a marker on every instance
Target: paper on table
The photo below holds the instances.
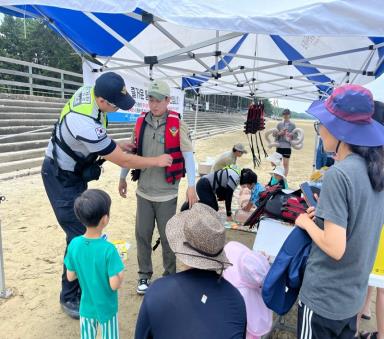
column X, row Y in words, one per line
column 270, row 236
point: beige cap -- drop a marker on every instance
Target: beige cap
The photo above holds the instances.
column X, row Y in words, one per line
column 239, row 148
column 159, row 90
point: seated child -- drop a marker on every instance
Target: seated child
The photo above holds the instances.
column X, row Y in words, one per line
column 97, row 265
column 278, row 177
column 247, row 273
column 275, row 159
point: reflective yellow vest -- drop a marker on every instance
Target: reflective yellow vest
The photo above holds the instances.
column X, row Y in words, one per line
column 235, row 168
column 83, row 102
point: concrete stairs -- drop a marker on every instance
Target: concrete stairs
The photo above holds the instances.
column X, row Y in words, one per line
column 26, row 124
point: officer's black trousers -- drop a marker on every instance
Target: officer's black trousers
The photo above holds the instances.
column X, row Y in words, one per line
column 62, row 190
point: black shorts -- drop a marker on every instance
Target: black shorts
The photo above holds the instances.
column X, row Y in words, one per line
column 285, row 152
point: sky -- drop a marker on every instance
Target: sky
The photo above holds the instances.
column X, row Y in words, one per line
column 376, row 87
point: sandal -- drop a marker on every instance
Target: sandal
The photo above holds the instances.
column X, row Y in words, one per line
column 369, row 335
column 365, row 317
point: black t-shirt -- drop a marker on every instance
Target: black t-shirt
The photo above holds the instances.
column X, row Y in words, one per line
column 193, row 304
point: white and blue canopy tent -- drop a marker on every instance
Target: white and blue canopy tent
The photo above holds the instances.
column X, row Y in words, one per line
column 298, row 49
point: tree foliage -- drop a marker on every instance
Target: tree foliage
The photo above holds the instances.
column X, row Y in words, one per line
column 229, row 103
column 33, row 41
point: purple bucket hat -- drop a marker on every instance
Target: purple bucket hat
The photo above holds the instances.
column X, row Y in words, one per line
column 347, row 114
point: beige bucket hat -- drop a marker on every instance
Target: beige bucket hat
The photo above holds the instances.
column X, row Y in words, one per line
column 197, row 237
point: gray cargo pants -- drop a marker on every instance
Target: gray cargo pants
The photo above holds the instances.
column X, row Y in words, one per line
column 146, row 214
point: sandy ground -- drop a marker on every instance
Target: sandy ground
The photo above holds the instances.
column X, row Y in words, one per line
column 33, row 245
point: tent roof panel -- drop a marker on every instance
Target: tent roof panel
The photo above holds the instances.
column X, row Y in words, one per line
column 183, row 38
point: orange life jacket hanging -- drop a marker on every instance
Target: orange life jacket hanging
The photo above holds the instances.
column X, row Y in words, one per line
column 171, row 146
column 254, row 124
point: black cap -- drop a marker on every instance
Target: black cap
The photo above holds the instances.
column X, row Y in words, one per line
column 111, row 87
column 286, row 111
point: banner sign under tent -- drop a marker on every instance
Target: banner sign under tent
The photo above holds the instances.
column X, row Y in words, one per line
column 138, row 89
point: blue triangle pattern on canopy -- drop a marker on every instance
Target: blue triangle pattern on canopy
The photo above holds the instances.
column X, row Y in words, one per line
column 380, row 69
column 292, row 54
column 84, row 34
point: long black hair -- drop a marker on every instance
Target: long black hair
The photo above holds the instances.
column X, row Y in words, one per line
column 374, row 156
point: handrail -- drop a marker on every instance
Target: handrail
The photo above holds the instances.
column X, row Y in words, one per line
column 48, row 68
column 56, row 84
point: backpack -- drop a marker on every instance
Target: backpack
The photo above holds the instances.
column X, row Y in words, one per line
column 285, row 206
column 269, row 193
column 282, row 284
column 276, row 204
column 217, row 188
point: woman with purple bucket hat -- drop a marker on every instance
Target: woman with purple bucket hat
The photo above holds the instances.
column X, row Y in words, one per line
column 346, row 224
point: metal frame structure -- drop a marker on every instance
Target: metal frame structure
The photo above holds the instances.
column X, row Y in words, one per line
column 210, row 66
column 219, row 78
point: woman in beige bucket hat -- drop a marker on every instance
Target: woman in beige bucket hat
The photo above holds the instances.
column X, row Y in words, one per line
column 197, row 303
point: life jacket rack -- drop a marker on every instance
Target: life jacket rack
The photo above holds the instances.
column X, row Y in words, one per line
column 253, row 126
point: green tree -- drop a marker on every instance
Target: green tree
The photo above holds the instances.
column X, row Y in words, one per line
column 32, row 40
column 12, row 43
column 268, row 108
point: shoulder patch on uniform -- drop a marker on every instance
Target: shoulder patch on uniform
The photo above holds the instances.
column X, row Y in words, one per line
column 100, row 132
column 174, row 131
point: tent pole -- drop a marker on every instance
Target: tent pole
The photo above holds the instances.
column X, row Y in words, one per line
column 315, row 152
column 195, row 127
column 4, row 293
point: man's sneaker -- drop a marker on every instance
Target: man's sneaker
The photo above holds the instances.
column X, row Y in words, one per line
column 142, row 286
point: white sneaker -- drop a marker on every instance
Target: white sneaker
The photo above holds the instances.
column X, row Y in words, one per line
column 142, row 286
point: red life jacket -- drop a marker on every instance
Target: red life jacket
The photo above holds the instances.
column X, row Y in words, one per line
column 171, row 144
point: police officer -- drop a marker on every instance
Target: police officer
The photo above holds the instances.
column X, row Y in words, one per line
column 71, row 159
